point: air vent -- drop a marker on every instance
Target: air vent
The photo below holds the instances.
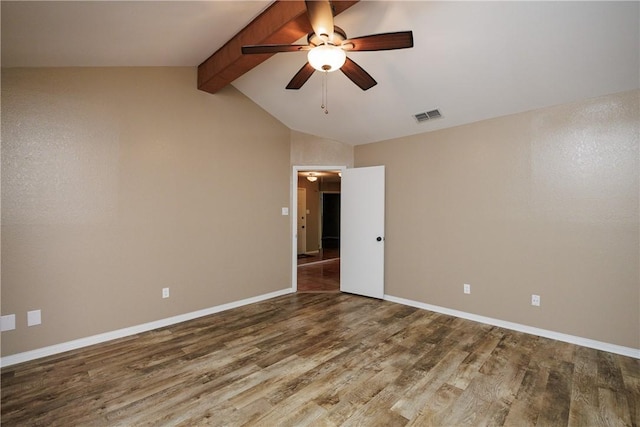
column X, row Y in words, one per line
column 429, row 115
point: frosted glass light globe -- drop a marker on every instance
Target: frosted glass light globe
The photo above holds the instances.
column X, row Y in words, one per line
column 326, row 57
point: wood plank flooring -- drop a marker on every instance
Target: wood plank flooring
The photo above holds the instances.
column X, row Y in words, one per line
column 323, row 254
column 321, row 276
column 320, row 272
column 325, row 359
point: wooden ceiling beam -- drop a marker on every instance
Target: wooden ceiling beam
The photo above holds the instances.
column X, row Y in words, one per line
column 283, row 22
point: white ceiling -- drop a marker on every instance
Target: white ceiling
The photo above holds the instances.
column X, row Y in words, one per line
column 472, row 60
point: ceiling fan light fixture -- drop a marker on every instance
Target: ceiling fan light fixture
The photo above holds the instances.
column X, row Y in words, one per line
column 326, row 57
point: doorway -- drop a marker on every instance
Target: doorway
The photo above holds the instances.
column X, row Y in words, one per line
column 316, row 263
column 330, row 221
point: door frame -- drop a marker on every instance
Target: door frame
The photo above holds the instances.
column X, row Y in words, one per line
column 294, row 215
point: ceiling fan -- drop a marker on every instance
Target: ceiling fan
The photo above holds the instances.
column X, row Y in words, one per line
column 328, row 44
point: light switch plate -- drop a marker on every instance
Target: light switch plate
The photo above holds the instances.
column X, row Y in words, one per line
column 285, row 211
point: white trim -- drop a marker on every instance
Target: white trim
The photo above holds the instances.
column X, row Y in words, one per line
column 120, row 333
column 572, row 339
column 294, row 215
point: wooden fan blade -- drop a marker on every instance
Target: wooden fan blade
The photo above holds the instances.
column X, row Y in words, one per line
column 274, row 48
column 301, row 77
column 384, row 41
column 358, row 75
column 321, row 18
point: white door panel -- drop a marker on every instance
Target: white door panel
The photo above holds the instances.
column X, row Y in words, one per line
column 362, row 232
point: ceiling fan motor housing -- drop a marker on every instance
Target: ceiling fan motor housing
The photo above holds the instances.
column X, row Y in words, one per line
column 338, row 37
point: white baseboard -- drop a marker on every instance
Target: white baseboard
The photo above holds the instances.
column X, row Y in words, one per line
column 585, row 342
column 121, row 333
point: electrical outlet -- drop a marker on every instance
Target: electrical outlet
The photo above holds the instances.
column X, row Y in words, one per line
column 535, row 300
column 8, row 322
column 34, row 317
column 467, row 288
column 165, row 292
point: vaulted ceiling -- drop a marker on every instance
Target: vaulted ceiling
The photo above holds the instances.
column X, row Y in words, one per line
column 471, row 60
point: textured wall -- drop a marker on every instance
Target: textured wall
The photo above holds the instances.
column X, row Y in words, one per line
column 119, row 182
column 543, row 202
column 315, row 151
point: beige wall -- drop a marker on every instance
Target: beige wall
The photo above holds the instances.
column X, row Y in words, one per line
column 118, row 182
column 544, row 202
column 315, row 151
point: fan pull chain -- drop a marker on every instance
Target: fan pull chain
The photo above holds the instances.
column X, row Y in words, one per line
column 325, row 92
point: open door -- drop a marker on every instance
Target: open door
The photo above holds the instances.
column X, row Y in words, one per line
column 362, row 228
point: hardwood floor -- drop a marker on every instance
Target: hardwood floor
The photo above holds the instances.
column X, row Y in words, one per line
column 322, row 255
column 323, row 276
column 320, row 272
column 325, row 359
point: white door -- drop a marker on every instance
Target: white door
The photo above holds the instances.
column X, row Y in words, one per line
column 362, row 232
column 302, row 220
